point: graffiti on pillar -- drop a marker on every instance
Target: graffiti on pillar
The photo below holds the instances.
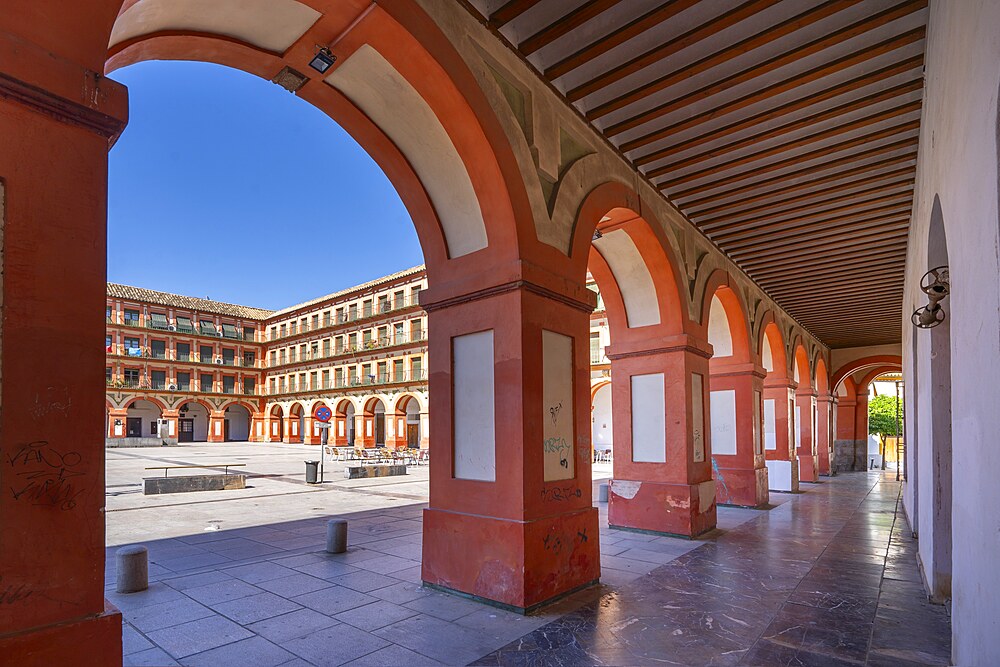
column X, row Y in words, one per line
column 45, row 476
column 54, row 401
column 698, row 416
column 561, row 493
column 557, row 401
column 11, row 593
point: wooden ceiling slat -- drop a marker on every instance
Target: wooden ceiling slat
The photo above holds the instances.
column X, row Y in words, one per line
column 901, row 179
column 863, row 140
column 565, row 25
column 866, row 121
column 717, row 24
column 834, row 263
column 773, row 113
column 510, row 11
column 874, row 229
column 740, row 48
column 758, row 95
column 632, row 29
column 857, row 123
column 768, row 196
column 746, row 233
column 806, row 171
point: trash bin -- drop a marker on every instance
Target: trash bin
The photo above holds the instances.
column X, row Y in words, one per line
column 312, row 472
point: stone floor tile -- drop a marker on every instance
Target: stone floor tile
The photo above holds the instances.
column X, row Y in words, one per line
column 159, row 616
column 280, row 629
column 386, row 564
column 133, row 641
column 154, row 657
column 402, row 592
column 326, row 569
column 445, row 642
column 333, row 600
column 444, row 606
column 255, row 573
column 252, row 652
column 376, row 615
column 187, row 639
column 255, row 608
column 335, row 645
column 294, row 584
column 222, row 591
column 393, row 656
column 363, row 581
column 187, row 581
column 157, row 593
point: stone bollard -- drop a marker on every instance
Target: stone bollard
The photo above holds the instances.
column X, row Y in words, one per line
column 602, row 493
column 133, row 569
column 336, row 536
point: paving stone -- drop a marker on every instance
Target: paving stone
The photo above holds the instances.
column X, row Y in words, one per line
column 157, row 593
column 335, row 645
column 280, row 629
column 394, row 656
column 437, row 639
column 252, row 652
column 402, row 592
column 444, row 606
column 333, row 600
column 195, row 580
column 196, row 636
column 255, row 573
column 327, row 569
column 255, row 608
column 222, row 591
column 362, row 581
column 294, row 584
column 159, row 616
column 376, row 615
column 154, row 657
column 133, row 641
column 385, row 564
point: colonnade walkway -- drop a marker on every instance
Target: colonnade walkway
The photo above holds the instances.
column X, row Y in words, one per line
column 827, row 577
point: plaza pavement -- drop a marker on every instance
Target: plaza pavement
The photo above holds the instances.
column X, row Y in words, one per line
column 242, row 578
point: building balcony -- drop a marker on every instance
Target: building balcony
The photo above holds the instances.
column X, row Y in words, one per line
column 353, row 383
column 350, row 351
column 171, row 355
column 145, row 384
column 292, row 330
column 185, row 330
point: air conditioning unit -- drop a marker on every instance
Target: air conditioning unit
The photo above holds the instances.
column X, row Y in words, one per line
column 218, row 360
column 172, row 387
column 218, row 334
column 171, row 327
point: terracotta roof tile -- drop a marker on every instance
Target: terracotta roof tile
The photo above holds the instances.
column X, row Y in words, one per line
column 129, row 293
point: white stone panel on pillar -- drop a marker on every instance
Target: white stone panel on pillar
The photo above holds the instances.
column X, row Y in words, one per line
column 473, row 418
column 722, row 410
column 770, row 425
column 758, row 442
column 557, row 406
column 649, row 429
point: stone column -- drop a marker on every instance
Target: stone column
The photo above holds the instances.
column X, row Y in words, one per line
column 737, row 419
column 174, row 427
column 338, row 434
column 824, row 433
column 286, row 429
column 850, row 449
column 117, row 430
column 779, row 434
column 662, row 464
column 216, row 426
column 805, row 420
column 258, row 423
column 424, row 430
column 860, row 449
column 58, row 117
column 510, row 517
column 311, row 436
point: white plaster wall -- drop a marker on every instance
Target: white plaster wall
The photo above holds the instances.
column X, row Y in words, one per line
column 722, row 410
column 475, row 435
column 633, row 278
column 766, row 358
column 770, row 425
column 958, row 163
column 557, row 407
column 649, row 434
column 718, row 330
column 603, row 428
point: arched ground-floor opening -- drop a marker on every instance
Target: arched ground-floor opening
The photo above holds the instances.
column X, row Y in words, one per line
column 192, row 422
column 237, row 423
column 602, row 431
column 295, row 427
column 141, row 420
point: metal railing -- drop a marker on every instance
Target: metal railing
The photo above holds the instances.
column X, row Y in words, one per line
column 122, row 350
column 185, row 329
column 294, row 329
column 347, row 350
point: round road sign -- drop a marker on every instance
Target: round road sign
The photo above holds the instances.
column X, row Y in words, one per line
column 323, row 414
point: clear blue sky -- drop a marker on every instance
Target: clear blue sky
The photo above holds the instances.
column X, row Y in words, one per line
column 225, row 185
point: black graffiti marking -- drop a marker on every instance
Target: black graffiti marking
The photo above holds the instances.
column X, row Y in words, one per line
column 11, row 593
column 582, row 535
column 552, row 543
column 564, row 463
column 44, row 475
column 561, row 493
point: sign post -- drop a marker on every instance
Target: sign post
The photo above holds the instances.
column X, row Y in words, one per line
column 323, row 415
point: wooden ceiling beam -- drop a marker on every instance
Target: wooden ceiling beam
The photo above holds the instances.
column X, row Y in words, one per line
column 692, row 208
column 856, row 142
column 605, row 43
column 565, row 25
column 773, row 113
column 671, row 47
column 510, row 11
column 745, row 233
column 897, row 179
column 909, row 142
column 777, row 149
column 740, row 48
column 819, row 242
column 758, row 95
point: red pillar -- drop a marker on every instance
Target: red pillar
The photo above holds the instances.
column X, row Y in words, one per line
column 116, row 422
column 173, row 428
column 805, row 406
column 510, row 517
column 57, row 118
column 257, row 424
column 737, row 440
column 338, row 433
column 312, row 435
column 779, row 450
column 824, row 433
column 216, row 426
column 662, row 465
column 861, row 433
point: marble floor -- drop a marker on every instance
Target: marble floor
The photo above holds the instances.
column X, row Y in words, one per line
column 826, row 577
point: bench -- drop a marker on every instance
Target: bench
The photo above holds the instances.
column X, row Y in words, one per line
column 225, row 481
column 374, row 470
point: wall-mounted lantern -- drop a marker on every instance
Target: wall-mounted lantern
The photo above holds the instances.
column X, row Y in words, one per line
column 936, row 285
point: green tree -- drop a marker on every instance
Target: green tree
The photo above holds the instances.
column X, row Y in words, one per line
column 882, row 415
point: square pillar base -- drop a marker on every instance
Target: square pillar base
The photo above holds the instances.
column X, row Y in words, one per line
column 743, row 487
column 808, row 468
column 685, row 510
column 518, row 565
column 94, row 641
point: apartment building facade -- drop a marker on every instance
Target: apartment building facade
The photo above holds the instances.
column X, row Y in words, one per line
column 211, row 371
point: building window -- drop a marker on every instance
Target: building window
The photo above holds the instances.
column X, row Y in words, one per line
column 281, row 385
column 315, row 321
column 274, row 384
column 228, row 357
column 205, row 354
column 158, row 349
column 414, row 296
column 228, row 384
column 132, row 318
column 158, row 379
column 398, row 335
column 273, row 356
column 399, row 298
column 158, row 321
column 338, row 377
column 132, row 348
column 366, row 338
column 326, row 319
column 326, row 379
column 249, row 359
column 352, row 342
column 383, row 336
column 131, row 377
column 313, row 380
column 229, row 331
column 249, row 386
column 183, row 351
column 274, row 333
column 326, row 347
column 107, row 374
column 352, row 312
column 302, row 352
column 416, row 369
column 249, row 333
column 284, row 330
column 184, row 382
column 366, row 308
column 595, row 348
column 184, row 325
column 397, row 370
column 207, row 328
column 416, row 330
column 383, row 304
column 382, row 376
column 107, row 315
column 302, row 382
